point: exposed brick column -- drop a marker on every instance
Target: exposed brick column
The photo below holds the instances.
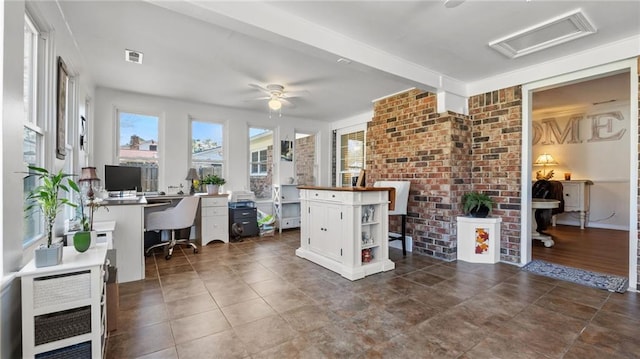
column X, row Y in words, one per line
column 445, row 155
column 408, row 140
column 497, row 157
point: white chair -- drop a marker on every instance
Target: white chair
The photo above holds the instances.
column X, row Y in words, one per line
column 400, row 209
column 181, row 216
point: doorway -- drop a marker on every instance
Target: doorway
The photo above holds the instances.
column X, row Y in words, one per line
column 583, row 161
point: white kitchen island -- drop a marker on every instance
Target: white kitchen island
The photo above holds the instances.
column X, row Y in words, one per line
column 345, row 229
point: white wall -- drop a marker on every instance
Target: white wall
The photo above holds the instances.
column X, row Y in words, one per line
column 174, row 135
column 47, row 17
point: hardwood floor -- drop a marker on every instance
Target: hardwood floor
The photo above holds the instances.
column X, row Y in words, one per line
column 594, row 249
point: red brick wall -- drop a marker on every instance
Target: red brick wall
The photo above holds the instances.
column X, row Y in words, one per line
column 305, row 149
column 261, row 185
column 496, row 158
column 445, row 155
column 408, row 140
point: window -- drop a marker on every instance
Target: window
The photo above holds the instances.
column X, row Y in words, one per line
column 207, row 154
column 351, row 154
column 260, row 162
column 138, row 146
column 33, row 136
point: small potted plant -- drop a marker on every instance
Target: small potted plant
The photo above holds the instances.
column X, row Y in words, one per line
column 213, row 183
column 476, row 204
column 46, row 197
column 87, row 237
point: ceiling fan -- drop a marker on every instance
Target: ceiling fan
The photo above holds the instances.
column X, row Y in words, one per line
column 277, row 96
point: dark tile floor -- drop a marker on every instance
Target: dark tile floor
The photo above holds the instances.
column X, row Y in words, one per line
column 256, row 299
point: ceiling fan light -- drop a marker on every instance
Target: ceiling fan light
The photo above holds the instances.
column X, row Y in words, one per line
column 275, row 104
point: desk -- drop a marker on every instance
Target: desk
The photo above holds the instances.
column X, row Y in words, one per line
column 128, row 237
column 541, row 203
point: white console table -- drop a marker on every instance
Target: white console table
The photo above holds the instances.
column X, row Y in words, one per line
column 576, row 199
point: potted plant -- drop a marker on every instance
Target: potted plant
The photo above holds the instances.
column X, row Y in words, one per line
column 213, row 183
column 87, row 237
column 477, row 204
column 46, row 197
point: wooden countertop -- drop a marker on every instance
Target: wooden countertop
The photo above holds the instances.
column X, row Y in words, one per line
column 391, row 190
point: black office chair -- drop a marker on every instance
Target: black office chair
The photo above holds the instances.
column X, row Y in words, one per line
column 173, row 219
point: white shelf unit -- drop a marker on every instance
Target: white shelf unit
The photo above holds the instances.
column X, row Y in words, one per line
column 64, row 306
column 286, row 206
column 215, row 218
column 346, row 230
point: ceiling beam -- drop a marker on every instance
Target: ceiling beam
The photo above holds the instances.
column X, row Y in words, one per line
column 261, row 17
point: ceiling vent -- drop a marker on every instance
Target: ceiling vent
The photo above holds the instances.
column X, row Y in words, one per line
column 552, row 32
column 133, row 56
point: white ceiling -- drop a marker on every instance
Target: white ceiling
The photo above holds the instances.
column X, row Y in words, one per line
column 211, row 51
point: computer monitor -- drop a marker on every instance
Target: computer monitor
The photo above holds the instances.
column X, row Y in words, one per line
column 122, row 178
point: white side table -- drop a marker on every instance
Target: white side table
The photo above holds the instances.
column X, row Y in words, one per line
column 576, row 199
column 479, row 239
column 104, row 233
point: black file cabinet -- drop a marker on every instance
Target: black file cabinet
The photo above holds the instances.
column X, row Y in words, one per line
column 245, row 217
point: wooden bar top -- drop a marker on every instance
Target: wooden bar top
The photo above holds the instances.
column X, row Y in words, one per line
column 391, row 190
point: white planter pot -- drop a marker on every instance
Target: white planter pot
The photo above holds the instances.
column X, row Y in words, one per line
column 213, row 189
column 48, row 256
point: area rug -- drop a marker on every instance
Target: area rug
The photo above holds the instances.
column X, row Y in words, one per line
column 608, row 282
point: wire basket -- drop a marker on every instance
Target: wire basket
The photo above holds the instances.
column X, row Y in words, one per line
column 61, row 325
column 54, row 290
column 77, row 351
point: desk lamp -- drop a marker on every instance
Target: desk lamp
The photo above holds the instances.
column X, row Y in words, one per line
column 192, row 176
column 87, row 178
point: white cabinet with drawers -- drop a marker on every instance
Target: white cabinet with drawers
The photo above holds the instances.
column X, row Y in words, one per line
column 214, row 220
column 345, row 229
column 63, row 306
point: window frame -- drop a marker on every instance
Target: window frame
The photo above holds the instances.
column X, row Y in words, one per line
column 37, row 119
column 219, row 166
column 354, row 171
column 159, row 152
column 259, row 163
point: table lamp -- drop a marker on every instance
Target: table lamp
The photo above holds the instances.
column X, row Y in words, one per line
column 545, row 160
column 192, row 176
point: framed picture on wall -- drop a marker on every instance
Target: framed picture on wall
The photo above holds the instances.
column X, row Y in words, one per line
column 61, row 113
column 286, row 150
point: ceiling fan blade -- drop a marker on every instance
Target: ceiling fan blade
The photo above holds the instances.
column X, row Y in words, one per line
column 287, row 102
column 258, row 98
column 258, row 87
column 291, row 94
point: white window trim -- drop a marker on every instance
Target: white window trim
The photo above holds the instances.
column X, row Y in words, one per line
column 223, row 162
column 339, row 133
column 265, row 162
column 161, row 145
